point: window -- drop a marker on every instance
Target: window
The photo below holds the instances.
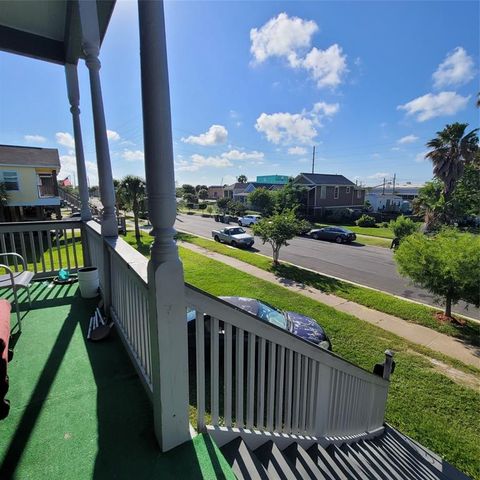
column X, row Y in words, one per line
column 348, row 190
column 46, row 185
column 10, row 180
column 323, row 192
column 359, row 194
column 335, row 193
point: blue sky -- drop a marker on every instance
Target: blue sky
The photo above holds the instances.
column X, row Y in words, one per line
column 255, row 85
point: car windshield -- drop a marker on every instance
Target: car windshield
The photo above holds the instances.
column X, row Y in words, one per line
column 272, row 315
column 235, row 231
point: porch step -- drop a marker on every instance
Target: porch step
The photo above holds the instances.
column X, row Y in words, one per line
column 391, row 456
column 244, row 463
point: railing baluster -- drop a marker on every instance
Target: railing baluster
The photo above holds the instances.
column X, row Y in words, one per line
column 304, row 394
column 240, row 345
column 332, row 402
column 200, row 367
column 22, row 247
column 312, row 390
column 260, row 421
column 288, row 391
column 67, row 249
column 59, row 252
column 74, row 245
column 34, row 251
column 50, row 250
column 14, row 250
column 3, row 243
column 272, row 350
column 296, row 391
column 279, row 389
column 42, row 251
column 214, row 364
column 227, row 375
column 251, row 379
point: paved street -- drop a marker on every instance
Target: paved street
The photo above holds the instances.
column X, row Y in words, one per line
column 366, row 265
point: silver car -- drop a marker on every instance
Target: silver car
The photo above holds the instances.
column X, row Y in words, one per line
column 234, row 236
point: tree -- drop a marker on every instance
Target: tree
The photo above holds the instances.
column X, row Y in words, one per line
column 200, row 187
column 465, row 200
column 262, row 200
column 403, row 227
column 277, row 230
column 223, row 203
column 291, row 197
column 3, row 200
column 188, row 189
column 190, row 198
column 237, row 208
column 242, row 179
column 446, row 264
column 203, row 194
column 452, row 149
column 132, row 193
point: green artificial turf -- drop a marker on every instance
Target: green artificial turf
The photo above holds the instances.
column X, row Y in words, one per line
column 383, row 302
column 78, row 409
column 434, row 410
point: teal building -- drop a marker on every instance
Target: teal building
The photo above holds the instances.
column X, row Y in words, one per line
column 273, row 179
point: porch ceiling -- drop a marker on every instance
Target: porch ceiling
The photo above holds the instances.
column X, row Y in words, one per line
column 47, row 30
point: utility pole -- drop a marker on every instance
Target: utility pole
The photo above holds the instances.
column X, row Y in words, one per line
column 313, row 160
column 394, row 177
column 383, row 191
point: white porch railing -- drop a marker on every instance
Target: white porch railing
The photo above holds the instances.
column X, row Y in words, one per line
column 47, row 247
column 248, row 374
column 253, row 375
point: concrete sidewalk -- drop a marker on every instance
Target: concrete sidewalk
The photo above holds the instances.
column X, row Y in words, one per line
column 453, row 347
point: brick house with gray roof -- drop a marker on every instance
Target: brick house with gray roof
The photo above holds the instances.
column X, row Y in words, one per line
column 330, row 192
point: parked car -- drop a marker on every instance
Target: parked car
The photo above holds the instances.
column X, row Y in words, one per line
column 234, row 236
column 334, row 234
column 248, row 220
column 300, row 325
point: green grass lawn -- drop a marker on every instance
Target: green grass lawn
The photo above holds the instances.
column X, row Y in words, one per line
column 423, row 403
column 382, row 302
column 373, row 241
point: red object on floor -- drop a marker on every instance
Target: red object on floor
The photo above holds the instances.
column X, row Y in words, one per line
column 4, row 338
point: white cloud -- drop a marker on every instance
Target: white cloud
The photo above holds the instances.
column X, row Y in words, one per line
column 238, row 155
column 215, row 135
column 297, row 150
column 395, row 149
column 113, row 136
column 35, row 138
column 326, row 109
column 327, row 67
column 291, row 38
column 380, row 175
column 65, row 139
column 132, row 155
column 282, row 36
column 217, row 161
column 288, row 128
column 435, row 105
column 407, row 139
column 456, row 69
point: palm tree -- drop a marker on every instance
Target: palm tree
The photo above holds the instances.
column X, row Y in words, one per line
column 242, row 179
column 132, row 192
column 451, row 150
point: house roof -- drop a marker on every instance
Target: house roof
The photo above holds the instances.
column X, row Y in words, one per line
column 327, row 179
column 29, row 156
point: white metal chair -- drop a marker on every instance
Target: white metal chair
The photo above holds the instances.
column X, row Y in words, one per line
column 15, row 280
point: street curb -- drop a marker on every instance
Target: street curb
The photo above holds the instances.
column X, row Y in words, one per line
column 343, row 280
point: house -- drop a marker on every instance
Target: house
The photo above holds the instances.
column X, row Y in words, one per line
column 215, row 192
column 273, row 179
column 30, row 178
column 239, row 192
column 407, row 191
column 387, row 202
column 329, row 192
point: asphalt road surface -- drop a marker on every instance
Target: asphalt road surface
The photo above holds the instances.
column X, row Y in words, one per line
column 365, row 265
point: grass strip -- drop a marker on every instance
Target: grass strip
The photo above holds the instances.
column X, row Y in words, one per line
column 383, row 302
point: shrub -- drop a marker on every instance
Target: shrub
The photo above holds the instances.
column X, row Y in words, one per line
column 209, row 209
column 202, row 206
column 403, row 227
column 446, row 264
column 366, row 221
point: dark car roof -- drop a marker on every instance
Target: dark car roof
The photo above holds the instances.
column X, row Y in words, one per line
column 333, row 228
column 248, row 304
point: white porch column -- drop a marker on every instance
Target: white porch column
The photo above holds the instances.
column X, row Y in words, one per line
column 91, row 48
column 165, row 272
column 74, row 99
